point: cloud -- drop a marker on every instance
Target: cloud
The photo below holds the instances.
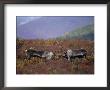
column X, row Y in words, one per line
column 26, row 19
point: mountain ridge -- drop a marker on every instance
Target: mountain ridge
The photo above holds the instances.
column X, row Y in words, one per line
column 86, row 32
column 48, row 27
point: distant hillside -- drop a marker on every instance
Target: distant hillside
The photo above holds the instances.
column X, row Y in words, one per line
column 49, row 27
column 86, row 33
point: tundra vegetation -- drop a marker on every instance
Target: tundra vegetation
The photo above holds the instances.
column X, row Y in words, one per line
column 58, row 64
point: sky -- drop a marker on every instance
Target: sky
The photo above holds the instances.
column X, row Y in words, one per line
column 26, row 19
column 45, row 27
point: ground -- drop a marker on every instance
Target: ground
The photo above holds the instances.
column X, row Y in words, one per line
column 57, row 65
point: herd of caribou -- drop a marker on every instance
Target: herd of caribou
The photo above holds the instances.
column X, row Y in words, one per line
column 69, row 54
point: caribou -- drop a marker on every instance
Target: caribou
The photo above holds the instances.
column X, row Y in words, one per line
column 34, row 53
column 75, row 53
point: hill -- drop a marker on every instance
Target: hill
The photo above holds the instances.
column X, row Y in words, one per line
column 86, row 33
column 49, row 27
